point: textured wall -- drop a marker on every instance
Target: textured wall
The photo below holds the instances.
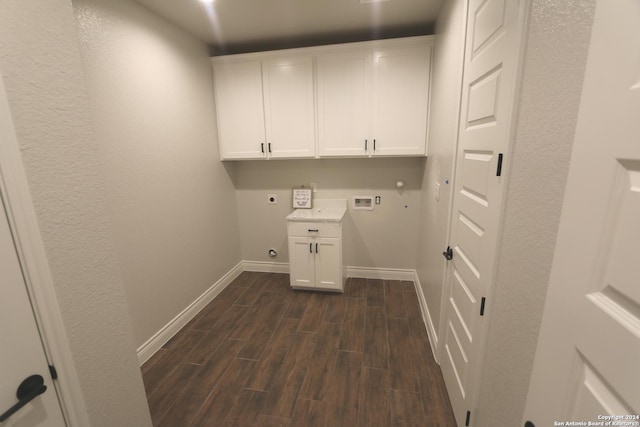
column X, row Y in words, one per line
column 446, row 86
column 383, row 238
column 41, row 67
column 555, row 59
column 171, row 199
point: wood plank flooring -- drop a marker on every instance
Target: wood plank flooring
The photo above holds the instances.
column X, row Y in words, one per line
column 262, row 354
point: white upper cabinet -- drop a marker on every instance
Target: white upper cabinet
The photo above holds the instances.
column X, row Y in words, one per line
column 401, row 100
column 373, row 98
column 238, row 91
column 369, row 99
column 265, row 107
column 288, row 107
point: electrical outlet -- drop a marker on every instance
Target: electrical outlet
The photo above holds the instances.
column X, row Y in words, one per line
column 272, row 199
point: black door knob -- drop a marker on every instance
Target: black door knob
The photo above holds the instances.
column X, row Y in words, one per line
column 28, row 390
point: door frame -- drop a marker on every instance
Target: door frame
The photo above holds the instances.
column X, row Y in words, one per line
column 31, row 253
column 524, row 9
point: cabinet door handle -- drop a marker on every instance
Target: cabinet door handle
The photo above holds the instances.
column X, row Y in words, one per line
column 316, row 248
column 365, row 144
column 262, row 147
column 310, row 248
column 313, row 230
column 269, row 145
column 374, row 145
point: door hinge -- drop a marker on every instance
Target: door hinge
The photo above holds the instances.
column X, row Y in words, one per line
column 53, row 372
column 448, row 254
column 482, row 302
column 466, row 423
column 499, row 171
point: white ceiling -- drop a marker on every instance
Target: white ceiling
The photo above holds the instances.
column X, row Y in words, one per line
column 231, row 26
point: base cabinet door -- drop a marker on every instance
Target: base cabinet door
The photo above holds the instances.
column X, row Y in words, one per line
column 301, row 260
column 328, row 263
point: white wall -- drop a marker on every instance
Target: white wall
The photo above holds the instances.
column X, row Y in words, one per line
column 41, row 68
column 446, row 86
column 171, row 199
column 554, row 63
column 383, row 238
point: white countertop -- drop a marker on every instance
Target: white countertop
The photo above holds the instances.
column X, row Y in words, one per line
column 324, row 210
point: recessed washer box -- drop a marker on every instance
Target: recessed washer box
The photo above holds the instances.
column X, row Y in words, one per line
column 363, row 203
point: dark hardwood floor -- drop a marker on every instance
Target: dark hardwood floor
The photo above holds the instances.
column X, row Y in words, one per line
column 261, row 354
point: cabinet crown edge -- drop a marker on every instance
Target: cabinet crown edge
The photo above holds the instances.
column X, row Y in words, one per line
column 426, row 40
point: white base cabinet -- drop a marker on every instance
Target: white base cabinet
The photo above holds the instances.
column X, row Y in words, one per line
column 315, row 256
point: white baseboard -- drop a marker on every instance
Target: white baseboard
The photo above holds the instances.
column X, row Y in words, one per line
column 153, row 344
column 426, row 317
column 380, row 273
column 265, row 266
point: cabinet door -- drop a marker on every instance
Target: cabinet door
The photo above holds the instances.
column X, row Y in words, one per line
column 238, row 92
column 288, row 104
column 328, row 263
column 344, row 103
column 401, row 100
column 301, row 262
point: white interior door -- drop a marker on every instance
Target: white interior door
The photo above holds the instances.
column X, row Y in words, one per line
column 490, row 71
column 21, row 354
column 588, row 360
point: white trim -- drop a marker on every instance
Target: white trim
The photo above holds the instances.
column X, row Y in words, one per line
column 381, row 273
column 153, row 344
column 39, row 281
column 426, row 318
column 266, row 266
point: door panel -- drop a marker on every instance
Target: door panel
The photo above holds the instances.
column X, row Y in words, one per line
column 489, row 81
column 22, row 354
column 401, row 100
column 328, row 256
column 238, row 91
column 302, row 269
column 289, row 107
column 587, row 361
column 488, row 23
column 344, row 105
column 483, row 99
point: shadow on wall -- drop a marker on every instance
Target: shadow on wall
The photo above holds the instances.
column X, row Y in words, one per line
column 336, row 174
